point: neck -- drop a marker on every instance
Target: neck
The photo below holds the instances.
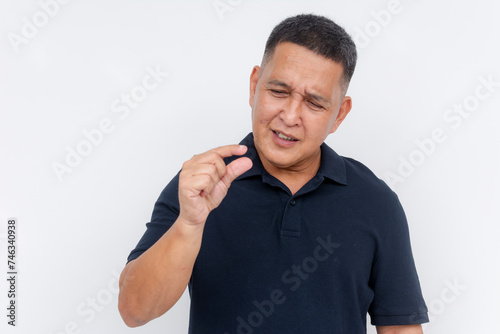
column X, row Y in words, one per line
column 294, row 177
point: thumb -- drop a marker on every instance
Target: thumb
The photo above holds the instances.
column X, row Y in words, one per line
column 235, row 169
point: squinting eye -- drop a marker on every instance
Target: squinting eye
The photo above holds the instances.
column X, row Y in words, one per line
column 314, row 105
column 278, row 92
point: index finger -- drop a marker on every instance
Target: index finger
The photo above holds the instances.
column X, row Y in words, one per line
column 229, row 150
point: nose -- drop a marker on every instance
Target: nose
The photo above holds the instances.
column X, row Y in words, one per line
column 290, row 114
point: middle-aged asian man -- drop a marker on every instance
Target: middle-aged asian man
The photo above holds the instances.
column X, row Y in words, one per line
column 296, row 239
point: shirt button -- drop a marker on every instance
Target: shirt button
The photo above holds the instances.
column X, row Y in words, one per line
column 292, row 202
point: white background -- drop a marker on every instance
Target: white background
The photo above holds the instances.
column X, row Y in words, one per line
column 75, row 234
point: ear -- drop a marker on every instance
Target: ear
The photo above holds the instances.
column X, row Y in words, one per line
column 345, row 107
column 254, row 79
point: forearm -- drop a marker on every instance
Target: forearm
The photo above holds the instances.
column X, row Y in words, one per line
column 151, row 284
column 407, row 329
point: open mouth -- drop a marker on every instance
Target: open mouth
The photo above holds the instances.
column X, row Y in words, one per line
column 284, row 137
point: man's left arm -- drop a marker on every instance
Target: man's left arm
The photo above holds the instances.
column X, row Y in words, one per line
column 398, row 305
column 407, row 329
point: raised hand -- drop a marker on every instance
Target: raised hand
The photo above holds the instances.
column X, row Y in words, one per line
column 205, row 179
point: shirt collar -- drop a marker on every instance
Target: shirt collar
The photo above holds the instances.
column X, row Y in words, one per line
column 332, row 165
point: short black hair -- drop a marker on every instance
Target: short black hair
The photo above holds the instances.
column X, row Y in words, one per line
column 318, row 34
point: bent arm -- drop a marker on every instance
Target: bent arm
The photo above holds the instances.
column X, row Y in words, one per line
column 151, row 284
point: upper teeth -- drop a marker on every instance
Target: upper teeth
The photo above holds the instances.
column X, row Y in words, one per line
column 282, row 136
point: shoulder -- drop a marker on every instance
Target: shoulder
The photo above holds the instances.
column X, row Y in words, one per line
column 354, row 175
column 363, row 181
column 359, row 173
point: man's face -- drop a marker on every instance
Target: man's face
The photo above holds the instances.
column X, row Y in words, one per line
column 296, row 101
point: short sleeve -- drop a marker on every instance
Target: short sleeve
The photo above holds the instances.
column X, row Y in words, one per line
column 398, row 297
column 165, row 213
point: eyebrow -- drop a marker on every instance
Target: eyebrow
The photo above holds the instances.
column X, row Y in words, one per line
column 316, row 97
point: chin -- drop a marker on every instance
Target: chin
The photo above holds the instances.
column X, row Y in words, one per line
column 280, row 159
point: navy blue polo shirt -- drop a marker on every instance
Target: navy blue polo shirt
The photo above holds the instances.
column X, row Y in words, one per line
column 314, row 262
